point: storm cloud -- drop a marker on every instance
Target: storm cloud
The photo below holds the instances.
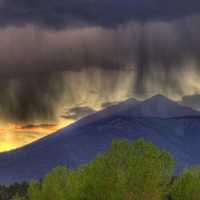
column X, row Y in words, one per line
column 192, row 101
column 30, row 99
column 58, row 14
column 163, row 48
column 128, row 48
column 78, row 113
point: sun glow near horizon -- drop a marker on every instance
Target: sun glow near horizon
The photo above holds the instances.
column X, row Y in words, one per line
column 14, row 136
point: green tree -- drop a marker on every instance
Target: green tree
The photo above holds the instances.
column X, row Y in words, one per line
column 52, row 187
column 127, row 171
column 135, row 171
column 54, row 184
column 34, row 191
column 187, row 185
column 18, row 197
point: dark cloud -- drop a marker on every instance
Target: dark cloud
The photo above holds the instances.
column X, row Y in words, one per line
column 57, row 14
column 152, row 39
column 149, row 48
column 31, row 60
column 78, row 112
column 192, row 101
column 38, row 51
column 33, row 126
column 30, row 99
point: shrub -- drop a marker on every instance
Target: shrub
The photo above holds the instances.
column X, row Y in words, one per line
column 187, row 185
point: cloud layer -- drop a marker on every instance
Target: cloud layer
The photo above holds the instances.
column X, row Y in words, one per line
column 58, row 14
column 116, row 49
column 192, row 101
column 78, row 113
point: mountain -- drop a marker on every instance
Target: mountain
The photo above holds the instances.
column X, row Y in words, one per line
column 121, row 107
column 161, row 106
column 157, row 106
column 158, row 120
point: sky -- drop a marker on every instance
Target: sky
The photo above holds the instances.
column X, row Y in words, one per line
column 62, row 60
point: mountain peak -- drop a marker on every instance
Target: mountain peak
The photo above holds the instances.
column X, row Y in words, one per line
column 162, row 102
column 163, row 107
column 160, row 98
column 131, row 101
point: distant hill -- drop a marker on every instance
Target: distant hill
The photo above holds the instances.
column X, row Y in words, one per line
column 159, row 120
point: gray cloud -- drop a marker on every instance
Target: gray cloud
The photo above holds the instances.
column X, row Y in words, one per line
column 32, row 98
column 192, row 101
column 78, row 112
column 156, row 44
column 155, row 47
column 156, row 53
column 62, row 13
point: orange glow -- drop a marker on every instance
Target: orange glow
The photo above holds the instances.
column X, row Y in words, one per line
column 14, row 136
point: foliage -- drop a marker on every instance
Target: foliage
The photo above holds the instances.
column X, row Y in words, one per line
column 7, row 192
column 187, row 185
column 127, row 171
column 134, row 171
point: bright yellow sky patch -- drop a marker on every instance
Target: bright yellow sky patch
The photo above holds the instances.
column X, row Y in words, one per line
column 14, row 136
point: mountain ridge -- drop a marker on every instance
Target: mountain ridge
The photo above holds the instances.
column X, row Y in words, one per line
column 163, row 107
